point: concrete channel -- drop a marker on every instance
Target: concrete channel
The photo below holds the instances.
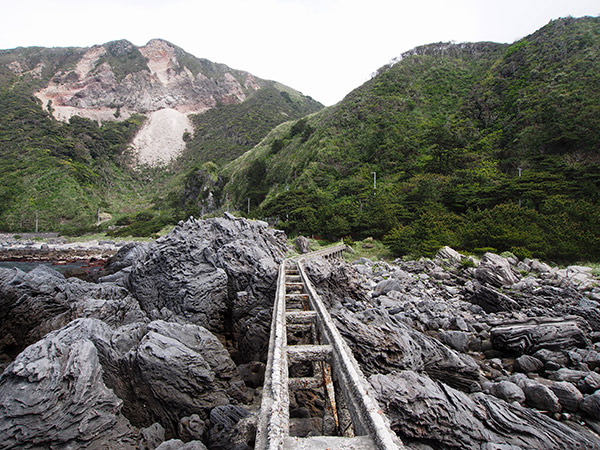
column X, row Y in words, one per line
column 315, row 395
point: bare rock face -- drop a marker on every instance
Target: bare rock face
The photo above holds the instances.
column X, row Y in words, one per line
column 421, row 408
column 153, row 82
column 86, row 384
column 383, row 344
column 42, row 300
column 54, row 395
column 219, row 273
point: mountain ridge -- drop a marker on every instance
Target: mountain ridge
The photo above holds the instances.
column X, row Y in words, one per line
column 117, row 79
column 470, row 144
column 115, row 116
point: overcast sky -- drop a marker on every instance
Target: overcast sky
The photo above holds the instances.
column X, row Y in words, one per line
column 324, row 48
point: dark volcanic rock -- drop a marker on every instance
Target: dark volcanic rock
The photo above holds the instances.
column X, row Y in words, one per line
column 53, row 395
column 568, row 395
column 302, row 244
column 42, row 300
column 544, row 316
column 199, row 269
column 382, row 344
column 491, row 300
column 170, row 371
column 420, row 408
column 539, row 332
column 110, row 371
column 496, row 271
column 527, row 364
column 458, row 340
column 223, row 420
column 508, row 391
column 541, row 397
column 591, row 405
column 161, row 372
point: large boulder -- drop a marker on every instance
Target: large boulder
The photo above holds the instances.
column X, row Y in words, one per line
column 568, row 395
column 421, row 409
column 508, row 391
column 536, row 333
column 528, row 364
column 541, row 397
column 218, row 273
column 591, row 405
column 53, row 395
column 496, row 271
column 168, row 371
column 302, row 244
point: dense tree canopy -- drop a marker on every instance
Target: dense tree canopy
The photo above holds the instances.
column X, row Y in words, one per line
column 474, row 145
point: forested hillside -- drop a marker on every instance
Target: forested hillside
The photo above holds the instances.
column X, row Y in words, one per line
column 222, row 134
column 470, row 145
column 60, row 173
column 59, row 169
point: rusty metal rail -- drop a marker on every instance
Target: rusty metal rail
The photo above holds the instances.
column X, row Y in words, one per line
column 307, row 353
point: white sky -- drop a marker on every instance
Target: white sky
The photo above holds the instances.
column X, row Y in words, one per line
column 324, row 48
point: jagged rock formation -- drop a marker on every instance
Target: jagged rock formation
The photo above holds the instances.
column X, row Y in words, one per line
column 420, row 408
column 165, row 350
column 93, row 365
column 217, row 273
column 42, row 300
column 515, row 369
column 54, row 396
column 159, row 80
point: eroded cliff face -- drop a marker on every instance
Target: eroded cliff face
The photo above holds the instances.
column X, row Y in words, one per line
column 115, row 80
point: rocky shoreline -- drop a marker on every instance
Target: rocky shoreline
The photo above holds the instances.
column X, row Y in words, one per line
column 167, row 345
column 467, row 353
column 166, row 349
column 89, row 256
column 50, row 247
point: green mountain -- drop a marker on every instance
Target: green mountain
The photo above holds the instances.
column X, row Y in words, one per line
column 470, row 145
column 109, row 128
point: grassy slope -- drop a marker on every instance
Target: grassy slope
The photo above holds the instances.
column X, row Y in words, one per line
column 446, row 130
column 227, row 131
column 65, row 172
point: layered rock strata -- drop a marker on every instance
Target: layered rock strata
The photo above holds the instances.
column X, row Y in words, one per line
column 147, row 354
column 467, row 353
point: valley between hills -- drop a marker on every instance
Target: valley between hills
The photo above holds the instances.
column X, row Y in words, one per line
column 475, row 145
column 461, row 183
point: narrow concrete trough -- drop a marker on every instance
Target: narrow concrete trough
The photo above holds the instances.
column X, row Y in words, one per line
column 315, row 395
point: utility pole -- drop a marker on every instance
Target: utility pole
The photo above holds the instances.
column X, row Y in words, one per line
column 519, row 169
column 374, row 182
column 248, row 205
column 36, row 221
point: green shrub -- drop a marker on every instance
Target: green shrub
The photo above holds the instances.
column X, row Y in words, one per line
column 482, row 250
column 521, row 253
column 467, row 263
